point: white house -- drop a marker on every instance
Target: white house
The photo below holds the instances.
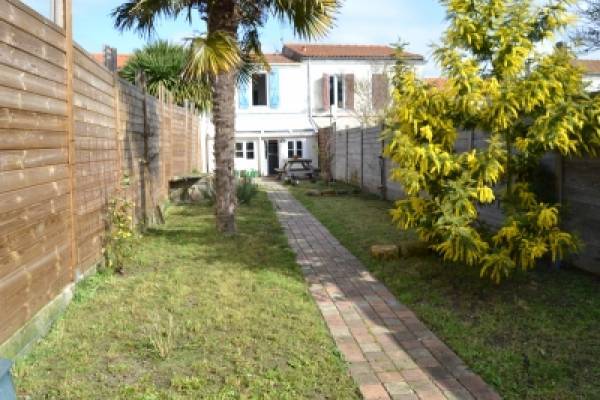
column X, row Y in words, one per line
column 309, row 86
column 591, row 76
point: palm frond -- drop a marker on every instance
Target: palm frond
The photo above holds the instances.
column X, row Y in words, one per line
column 141, row 15
column 310, row 19
column 212, row 54
column 163, row 64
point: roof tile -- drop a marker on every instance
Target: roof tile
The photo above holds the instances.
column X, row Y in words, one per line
column 301, row 50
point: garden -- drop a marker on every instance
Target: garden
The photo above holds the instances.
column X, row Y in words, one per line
column 534, row 336
column 193, row 315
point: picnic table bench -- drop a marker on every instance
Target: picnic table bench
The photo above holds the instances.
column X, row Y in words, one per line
column 296, row 169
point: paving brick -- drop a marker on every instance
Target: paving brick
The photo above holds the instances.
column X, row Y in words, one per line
column 390, row 377
column 374, row 392
column 382, row 340
column 398, row 388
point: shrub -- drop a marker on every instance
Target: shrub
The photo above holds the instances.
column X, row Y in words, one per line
column 119, row 234
column 245, row 190
column 529, row 102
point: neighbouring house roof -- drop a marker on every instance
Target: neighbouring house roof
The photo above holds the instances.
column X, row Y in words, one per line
column 278, row 58
column 298, row 51
column 591, row 67
column 121, row 59
column 439, row 83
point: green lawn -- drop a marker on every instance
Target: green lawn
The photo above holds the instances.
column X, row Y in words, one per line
column 196, row 316
column 536, row 336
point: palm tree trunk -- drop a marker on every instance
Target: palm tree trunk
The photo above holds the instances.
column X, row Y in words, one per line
column 223, row 17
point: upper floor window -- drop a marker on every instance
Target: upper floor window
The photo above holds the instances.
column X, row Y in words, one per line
column 259, row 89
column 337, row 91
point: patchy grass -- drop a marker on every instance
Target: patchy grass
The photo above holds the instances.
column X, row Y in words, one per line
column 197, row 316
column 536, row 336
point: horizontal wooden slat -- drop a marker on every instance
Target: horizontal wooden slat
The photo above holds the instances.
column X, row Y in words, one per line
column 32, row 242
column 84, row 60
column 20, row 217
column 37, row 27
column 31, row 44
column 13, row 139
column 21, row 198
column 18, row 179
column 16, row 79
column 26, row 120
column 23, row 61
column 21, row 100
column 19, row 159
column 91, row 79
column 84, row 89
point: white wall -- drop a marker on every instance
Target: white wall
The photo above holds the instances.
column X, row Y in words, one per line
column 594, row 82
column 259, row 163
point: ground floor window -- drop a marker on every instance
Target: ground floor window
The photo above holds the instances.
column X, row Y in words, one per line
column 239, row 150
column 295, row 149
column 250, row 150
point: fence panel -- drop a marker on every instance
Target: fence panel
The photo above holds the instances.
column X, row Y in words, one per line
column 357, row 159
column 64, row 150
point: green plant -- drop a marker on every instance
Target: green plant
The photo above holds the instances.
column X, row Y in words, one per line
column 245, row 190
column 162, row 335
column 119, row 234
column 529, row 102
column 163, row 64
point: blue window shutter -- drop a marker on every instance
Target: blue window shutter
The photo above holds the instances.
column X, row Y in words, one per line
column 243, row 95
column 274, row 88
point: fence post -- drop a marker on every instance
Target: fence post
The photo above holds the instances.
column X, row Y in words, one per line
column 118, row 130
column 362, row 170
column 382, row 168
column 145, row 161
column 347, row 154
column 67, row 23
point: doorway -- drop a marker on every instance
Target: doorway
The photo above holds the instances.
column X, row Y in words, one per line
column 272, row 156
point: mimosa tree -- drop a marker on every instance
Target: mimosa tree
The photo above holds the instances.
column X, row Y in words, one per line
column 529, row 101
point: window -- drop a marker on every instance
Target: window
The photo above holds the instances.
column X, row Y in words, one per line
column 259, row 89
column 239, row 150
column 250, row 150
column 340, row 91
column 295, row 149
column 332, row 90
column 336, row 91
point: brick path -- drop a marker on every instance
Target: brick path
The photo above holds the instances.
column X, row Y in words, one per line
column 391, row 354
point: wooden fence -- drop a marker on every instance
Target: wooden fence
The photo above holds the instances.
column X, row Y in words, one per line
column 70, row 133
column 574, row 182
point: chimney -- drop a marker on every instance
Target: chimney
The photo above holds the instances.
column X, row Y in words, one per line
column 110, row 58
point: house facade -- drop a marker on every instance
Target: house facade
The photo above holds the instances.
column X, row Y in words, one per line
column 308, row 87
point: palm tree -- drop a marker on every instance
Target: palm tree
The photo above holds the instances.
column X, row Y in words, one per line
column 163, row 64
column 224, row 54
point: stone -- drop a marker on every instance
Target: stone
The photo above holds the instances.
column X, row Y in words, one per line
column 328, row 192
column 384, row 251
column 413, row 248
column 313, row 193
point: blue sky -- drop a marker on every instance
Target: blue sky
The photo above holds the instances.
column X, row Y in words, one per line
column 374, row 22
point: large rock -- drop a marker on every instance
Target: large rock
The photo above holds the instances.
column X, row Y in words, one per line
column 384, row 251
column 313, row 193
